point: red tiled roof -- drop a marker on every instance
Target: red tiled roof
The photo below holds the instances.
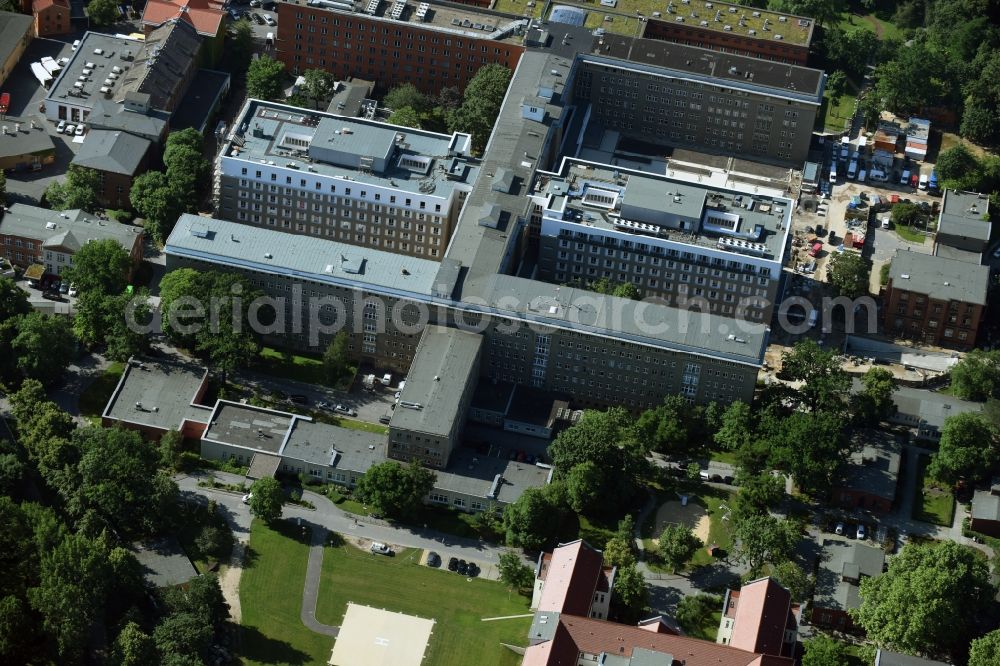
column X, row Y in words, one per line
column 560, row 651
column 204, row 15
column 762, row 614
column 599, row 636
column 571, row 577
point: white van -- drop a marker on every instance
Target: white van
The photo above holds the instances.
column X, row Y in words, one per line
column 833, row 172
column 862, row 176
column 269, row 40
column 905, row 179
column 924, row 179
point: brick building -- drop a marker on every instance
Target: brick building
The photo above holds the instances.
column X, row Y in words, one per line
column 936, row 300
column 118, row 158
column 431, row 45
column 740, row 29
column 51, row 17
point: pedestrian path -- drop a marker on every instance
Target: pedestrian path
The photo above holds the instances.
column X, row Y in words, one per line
column 310, row 591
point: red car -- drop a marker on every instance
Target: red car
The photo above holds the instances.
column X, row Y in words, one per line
column 815, row 249
column 914, row 180
column 4, row 102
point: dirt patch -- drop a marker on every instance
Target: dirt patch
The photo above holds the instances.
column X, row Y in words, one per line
column 229, row 581
column 693, row 515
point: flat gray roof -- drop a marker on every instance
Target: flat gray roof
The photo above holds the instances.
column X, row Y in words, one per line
column 349, row 96
column 71, row 229
column 965, row 214
column 887, row 658
column 115, row 152
column 636, row 190
column 159, row 394
column 472, row 474
column 939, row 278
column 442, row 364
column 875, row 467
column 840, row 556
column 477, row 22
column 986, row 506
column 515, row 146
column 199, row 102
column 298, row 256
column 110, row 115
column 335, row 447
column 930, row 406
column 249, row 427
column 637, row 321
column 316, row 142
column 717, row 69
column 115, row 51
column 25, row 140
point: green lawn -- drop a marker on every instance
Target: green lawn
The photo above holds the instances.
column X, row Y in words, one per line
column 344, row 502
column 833, row 116
column 457, row 605
column 888, row 30
column 95, row 397
column 728, row 457
column 709, row 628
column 520, row 7
column 908, row 233
column 308, row 369
column 271, row 600
column 349, row 423
column 937, row 504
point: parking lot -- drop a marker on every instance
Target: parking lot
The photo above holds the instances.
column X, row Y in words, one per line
column 26, row 97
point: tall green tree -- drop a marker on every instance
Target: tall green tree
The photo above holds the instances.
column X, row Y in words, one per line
column 118, row 483
column 103, row 12
column 514, row 573
column 928, row 601
column 673, row 427
column 266, row 498
column 182, row 638
column 695, row 611
column 822, row 650
column 481, row 104
column 157, row 202
column 337, row 357
column 977, row 375
column 583, row 487
column 44, row 346
column 677, row 545
column 73, row 586
column 405, row 117
column 968, row 450
column 133, row 647
column 874, row 401
column 407, row 95
column 757, row 492
column 395, row 490
column 630, row 596
column 532, row 521
column 793, row 578
column 848, row 273
column 264, row 78
column 203, row 598
column 13, row 301
column 984, row 651
column 79, row 189
column 318, row 86
column 606, row 439
column 100, row 266
column 763, row 539
column 826, row 384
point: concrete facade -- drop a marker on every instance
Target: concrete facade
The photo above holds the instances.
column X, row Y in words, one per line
column 362, row 182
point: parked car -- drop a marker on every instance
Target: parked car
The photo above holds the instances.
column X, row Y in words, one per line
column 52, row 296
column 258, row 19
column 299, row 399
column 76, row 44
column 433, row 559
column 323, row 404
column 379, row 548
column 80, row 129
column 70, row 129
column 64, row 288
column 341, row 409
column 72, row 290
column 270, row 20
column 61, row 127
column 463, row 567
column 839, row 529
column 861, row 531
column 453, row 564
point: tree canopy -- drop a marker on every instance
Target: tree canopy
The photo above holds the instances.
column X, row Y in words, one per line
column 513, row 572
column 101, row 266
column 264, row 78
column 481, row 104
column 874, row 402
column 763, row 539
column 677, row 545
column 822, row 650
column 532, row 521
column 395, row 490
column 79, row 189
column 630, row 596
column 928, row 600
column 103, row 12
column 984, row 650
column 968, row 450
column 337, row 357
column 44, row 346
column 976, row 376
column 266, row 498
column 848, row 273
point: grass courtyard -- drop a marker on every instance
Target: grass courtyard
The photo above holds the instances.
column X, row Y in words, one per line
column 95, row 397
column 456, row 605
column 308, row 369
column 715, row 502
column 937, row 504
column 271, row 600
